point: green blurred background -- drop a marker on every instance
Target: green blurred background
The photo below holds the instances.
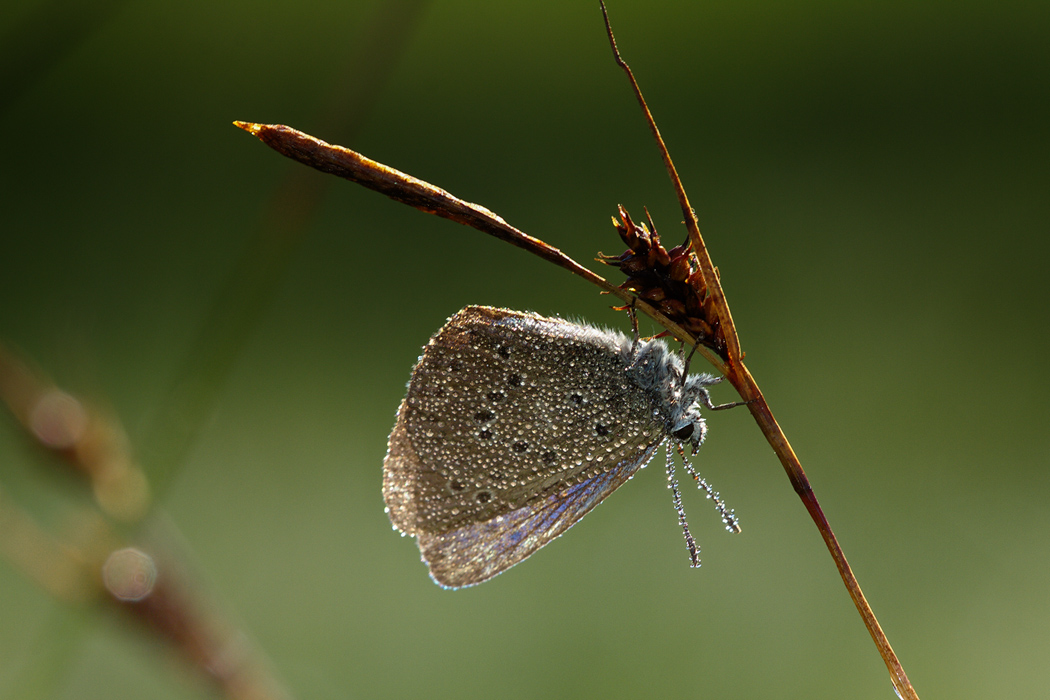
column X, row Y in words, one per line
column 872, row 179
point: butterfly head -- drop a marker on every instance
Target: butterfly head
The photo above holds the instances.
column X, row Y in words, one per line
column 662, row 373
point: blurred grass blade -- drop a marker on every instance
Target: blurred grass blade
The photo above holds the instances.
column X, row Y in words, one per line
column 250, row 288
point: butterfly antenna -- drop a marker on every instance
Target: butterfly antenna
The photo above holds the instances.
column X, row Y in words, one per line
column 728, row 515
column 676, row 497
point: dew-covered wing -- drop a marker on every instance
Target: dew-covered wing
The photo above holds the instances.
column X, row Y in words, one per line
column 513, row 427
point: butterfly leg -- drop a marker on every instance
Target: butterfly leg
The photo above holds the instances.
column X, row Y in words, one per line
column 634, row 318
column 705, row 399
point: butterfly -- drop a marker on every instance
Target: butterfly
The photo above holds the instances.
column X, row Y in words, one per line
column 515, row 426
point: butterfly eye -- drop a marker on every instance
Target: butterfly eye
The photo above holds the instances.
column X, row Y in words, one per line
column 685, row 432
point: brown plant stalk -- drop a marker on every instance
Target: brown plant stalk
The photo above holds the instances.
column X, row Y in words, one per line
column 680, row 289
column 94, row 563
column 745, row 384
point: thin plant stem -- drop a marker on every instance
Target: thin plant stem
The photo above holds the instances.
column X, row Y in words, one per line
column 249, row 288
column 91, row 566
column 747, row 387
column 401, row 187
column 691, row 223
column 93, row 444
